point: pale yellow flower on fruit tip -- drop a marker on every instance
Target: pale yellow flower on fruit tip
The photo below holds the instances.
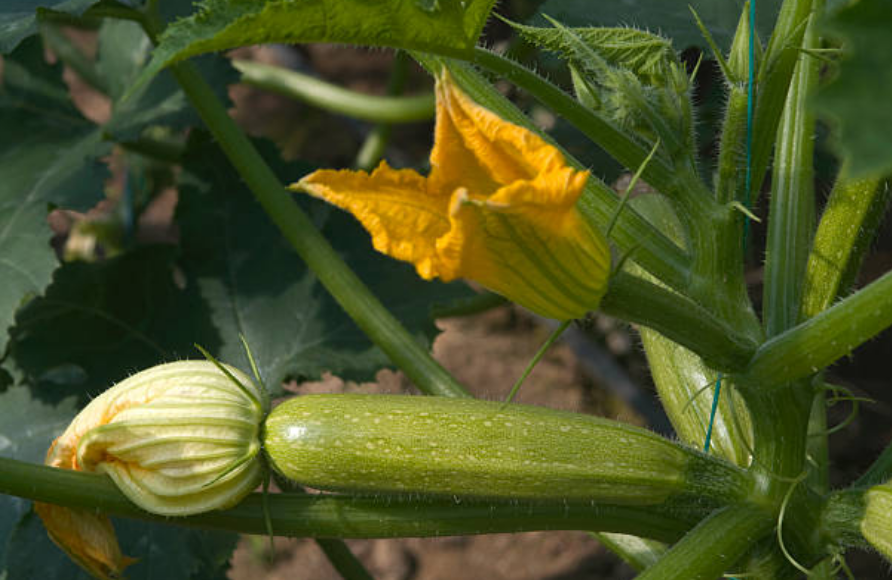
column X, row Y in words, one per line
column 177, row 439
column 499, row 207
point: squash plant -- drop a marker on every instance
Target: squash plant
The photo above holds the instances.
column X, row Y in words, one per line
column 502, row 204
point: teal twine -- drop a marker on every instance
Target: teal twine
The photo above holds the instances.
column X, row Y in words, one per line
column 715, row 406
column 747, row 185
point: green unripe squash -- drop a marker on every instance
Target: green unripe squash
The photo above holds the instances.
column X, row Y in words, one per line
column 464, row 447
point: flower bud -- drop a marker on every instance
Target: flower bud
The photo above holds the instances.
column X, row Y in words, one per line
column 876, row 524
column 177, row 439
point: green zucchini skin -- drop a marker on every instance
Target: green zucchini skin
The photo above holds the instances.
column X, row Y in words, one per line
column 465, row 447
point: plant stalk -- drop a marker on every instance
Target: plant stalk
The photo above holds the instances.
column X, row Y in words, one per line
column 679, row 319
column 339, row 516
column 714, row 546
column 355, row 298
column 818, row 342
column 335, row 99
column 792, row 208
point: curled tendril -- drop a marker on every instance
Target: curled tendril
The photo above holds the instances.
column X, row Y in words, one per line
column 836, row 398
column 780, row 524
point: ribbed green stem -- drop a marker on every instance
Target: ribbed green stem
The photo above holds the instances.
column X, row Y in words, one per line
column 679, row 319
column 792, row 201
column 850, row 221
column 818, row 342
column 343, row 560
column 639, row 553
column 714, row 546
column 354, row 297
column 316, row 92
column 334, row 516
column 732, row 156
column 775, row 72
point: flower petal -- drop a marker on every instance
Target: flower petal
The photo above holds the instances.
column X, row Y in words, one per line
column 87, row 537
column 403, row 215
column 476, row 149
column 547, row 260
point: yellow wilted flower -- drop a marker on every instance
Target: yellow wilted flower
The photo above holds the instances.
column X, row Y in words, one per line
column 177, row 439
column 498, row 207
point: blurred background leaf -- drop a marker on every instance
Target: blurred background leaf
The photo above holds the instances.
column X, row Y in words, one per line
column 52, row 160
column 858, row 99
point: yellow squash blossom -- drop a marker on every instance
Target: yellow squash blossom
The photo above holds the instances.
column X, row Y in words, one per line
column 177, row 439
column 498, row 207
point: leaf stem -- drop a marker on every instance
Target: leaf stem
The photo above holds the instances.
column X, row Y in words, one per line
column 343, row 560
column 716, row 544
column 849, row 223
column 818, row 342
column 316, row 92
column 792, row 206
column 679, row 319
column 372, row 149
column 775, row 72
column 347, row 289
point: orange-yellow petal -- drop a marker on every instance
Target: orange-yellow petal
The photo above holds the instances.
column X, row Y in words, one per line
column 546, row 260
column 87, row 537
column 499, row 207
column 403, row 215
column 476, row 149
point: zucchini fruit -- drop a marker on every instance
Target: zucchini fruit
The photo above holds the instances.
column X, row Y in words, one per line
column 386, row 444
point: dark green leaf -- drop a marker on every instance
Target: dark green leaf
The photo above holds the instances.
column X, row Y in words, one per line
column 27, row 427
column 671, row 19
column 100, row 322
column 857, row 100
column 448, row 26
column 18, row 18
column 124, row 51
column 48, row 155
column 254, row 283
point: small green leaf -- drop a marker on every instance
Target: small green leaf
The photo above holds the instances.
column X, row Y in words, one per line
column 858, row 97
column 442, row 26
column 670, row 19
column 254, row 284
column 18, row 18
column 48, row 156
column 643, row 53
